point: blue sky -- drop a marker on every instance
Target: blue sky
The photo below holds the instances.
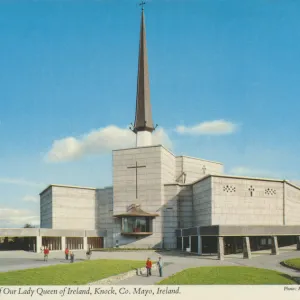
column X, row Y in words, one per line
column 226, row 71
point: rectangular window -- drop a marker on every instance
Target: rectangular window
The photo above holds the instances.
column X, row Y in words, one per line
column 135, row 224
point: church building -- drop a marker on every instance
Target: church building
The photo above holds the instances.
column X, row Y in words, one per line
column 160, row 200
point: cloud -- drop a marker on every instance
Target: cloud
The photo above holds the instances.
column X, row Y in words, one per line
column 17, row 218
column 217, row 127
column 252, row 172
column 28, row 198
column 98, row 142
column 18, row 181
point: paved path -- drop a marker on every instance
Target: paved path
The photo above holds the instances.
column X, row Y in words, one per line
column 259, row 260
column 174, row 262
column 20, row 260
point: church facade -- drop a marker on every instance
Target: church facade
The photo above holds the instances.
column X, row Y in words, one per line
column 160, row 200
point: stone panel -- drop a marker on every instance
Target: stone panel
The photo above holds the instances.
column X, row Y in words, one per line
column 73, row 208
column 202, row 202
column 46, row 213
column 292, row 204
column 195, row 168
column 244, row 201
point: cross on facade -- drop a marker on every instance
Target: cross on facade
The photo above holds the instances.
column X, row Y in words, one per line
column 136, row 167
column 204, row 169
column 251, row 190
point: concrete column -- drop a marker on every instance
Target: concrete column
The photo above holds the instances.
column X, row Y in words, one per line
column 38, row 244
column 85, row 245
column 199, row 245
column 246, row 247
column 190, row 243
column 63, row 243
column 298, row 242
column 220, row 247
column 274, row 247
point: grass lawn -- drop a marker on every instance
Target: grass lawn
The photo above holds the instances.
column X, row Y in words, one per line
column 228, row 275
column 293, row 263
column 70, row 274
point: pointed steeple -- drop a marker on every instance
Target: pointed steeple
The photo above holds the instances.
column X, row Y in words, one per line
column 143, row 113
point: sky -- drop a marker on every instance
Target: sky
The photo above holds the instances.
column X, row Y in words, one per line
column 224, row 79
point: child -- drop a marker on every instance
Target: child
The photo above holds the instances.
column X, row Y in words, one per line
column 148, row 266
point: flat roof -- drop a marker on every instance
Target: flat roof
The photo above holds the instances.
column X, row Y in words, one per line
column 235, row 177
column 67, row 186
column 176, row 156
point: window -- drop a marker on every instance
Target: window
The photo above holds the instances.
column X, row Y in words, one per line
column 263, row 241
column 135, row 224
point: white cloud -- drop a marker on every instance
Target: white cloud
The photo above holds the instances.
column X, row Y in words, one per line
column 252, row 172
column 216, row 127
column 99, row 141
column 29, row 198
column 18, row 181
column 17, row 217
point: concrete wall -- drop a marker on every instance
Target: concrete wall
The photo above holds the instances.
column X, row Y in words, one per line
column 195, row 168
column 168, row 166
column 46, row 213
column 104, row 214
column 292, row 204
column 150, row 190
column 202, row 202
column 185, row 207
column 232, row 203
column 73, row 208
column 171, row 215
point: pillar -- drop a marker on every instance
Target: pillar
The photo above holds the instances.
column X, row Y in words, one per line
column 63, row 243
column 38, row 244
column 199, row 245
column 85, row 245
column 274, row 247
column 182, row 243
column 298, row 242
column 220, row 247
column 246, row 247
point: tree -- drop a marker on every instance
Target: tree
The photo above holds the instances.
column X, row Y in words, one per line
column 27, row 225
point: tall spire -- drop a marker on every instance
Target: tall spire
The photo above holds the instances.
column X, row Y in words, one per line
column 143, row 114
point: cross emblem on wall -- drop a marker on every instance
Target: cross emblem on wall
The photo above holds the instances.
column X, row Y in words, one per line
column 251, row 190
column 136, row 167
column 204, row 169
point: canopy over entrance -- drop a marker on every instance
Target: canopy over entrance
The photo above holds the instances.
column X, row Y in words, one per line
column 136, row 221
column 135, row 210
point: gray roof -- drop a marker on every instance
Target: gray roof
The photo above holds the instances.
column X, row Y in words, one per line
column 143, row 113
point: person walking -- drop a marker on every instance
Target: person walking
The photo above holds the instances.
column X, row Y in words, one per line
column 72, row 256
column 149, row 266
column 160, row 266
column 89, row 253
column 46, row 253
column 67, row 253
